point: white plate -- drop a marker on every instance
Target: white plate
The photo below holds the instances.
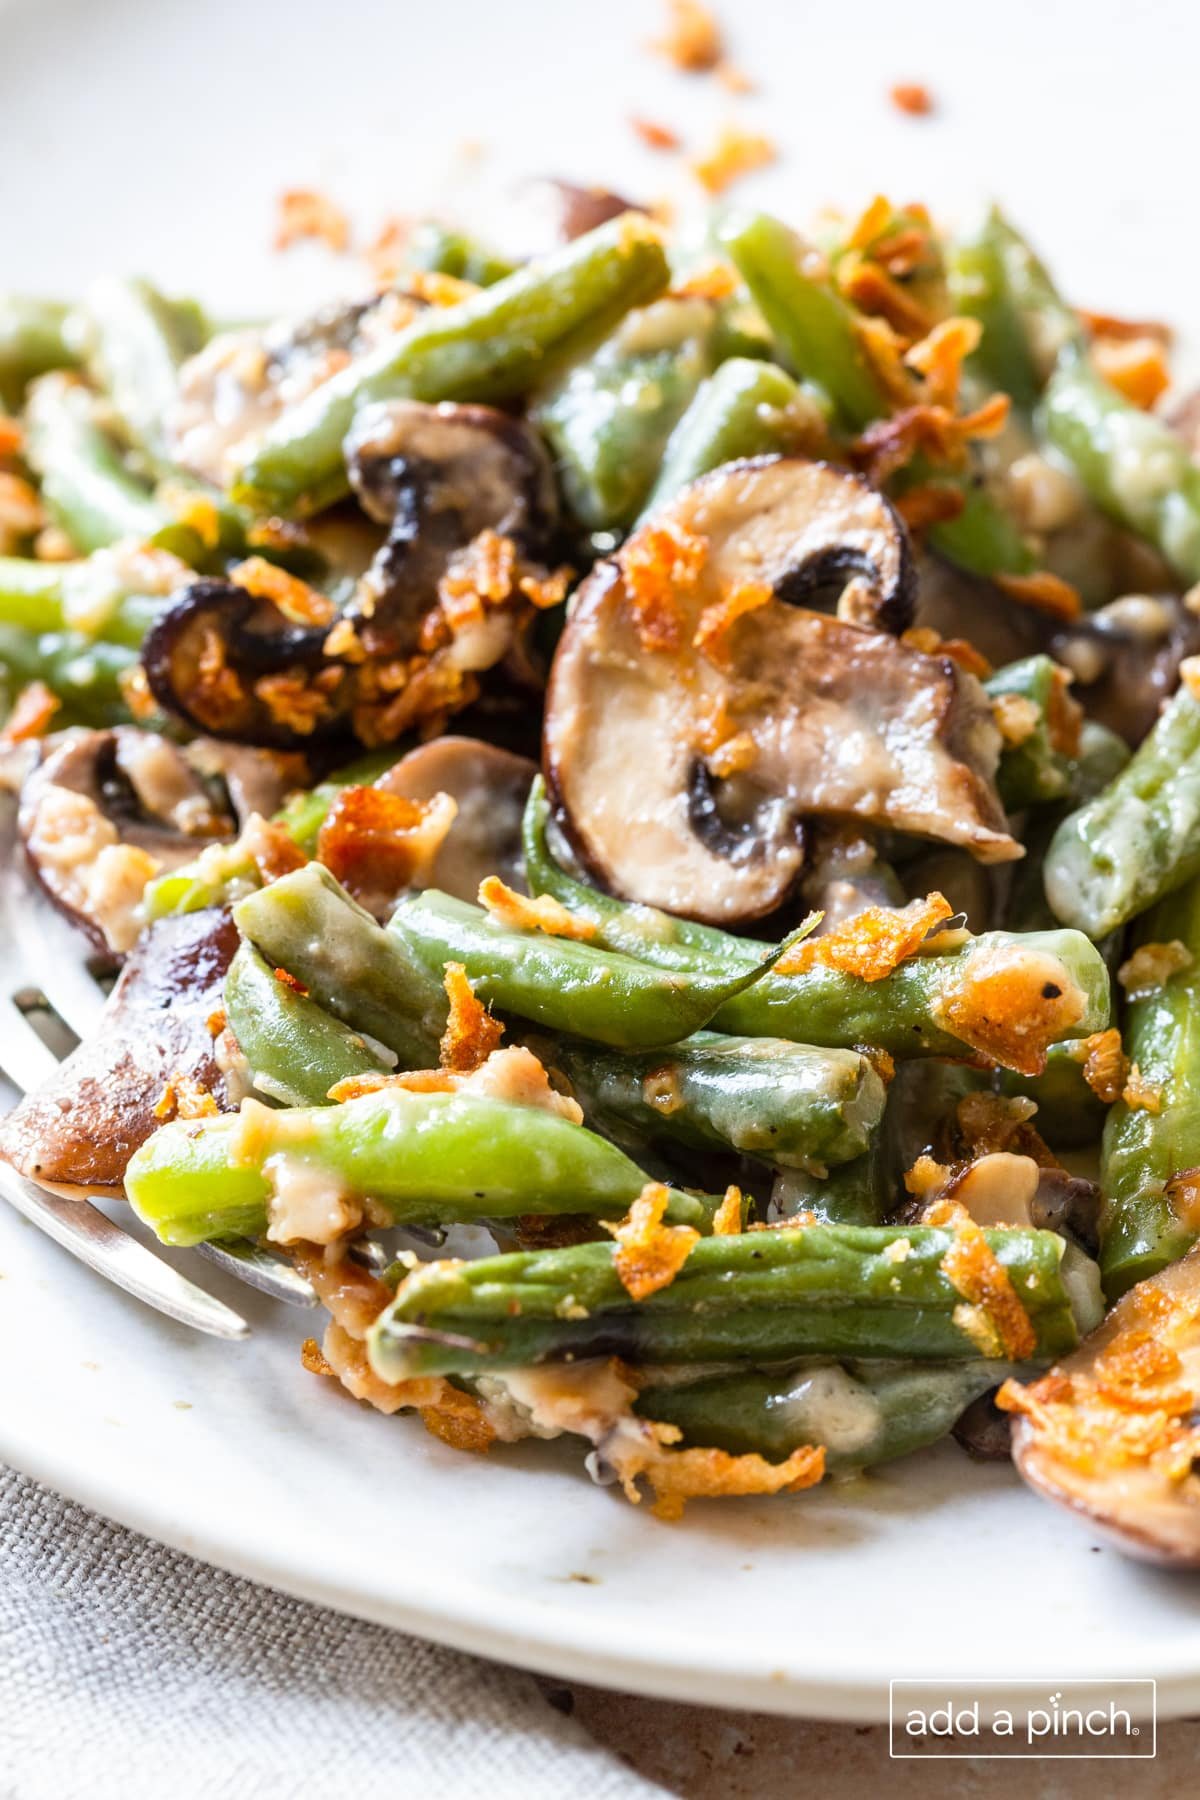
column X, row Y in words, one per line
column 154, row 136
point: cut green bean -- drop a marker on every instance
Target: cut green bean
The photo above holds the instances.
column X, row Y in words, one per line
column 295, row 1050
column 1150, row 1163
column 1140, row 838
column 85, row 675
column 33, row 340
column 609, row 418
column 417, row 1158
column 745, row 408
column 441, row 250
column 1038, row 768
column 85, row 484
column 862, row 1413
column 53, row 597
column 559, row 982
column 786, row 1104
column 136, row 339
column 814, row 1290
column 307, row 924
column 493, row 346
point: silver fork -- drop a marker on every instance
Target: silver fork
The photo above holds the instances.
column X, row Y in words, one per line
column 44, row 968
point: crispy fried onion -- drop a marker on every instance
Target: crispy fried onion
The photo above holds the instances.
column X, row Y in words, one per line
column 993, row 1317
column 595, row 1400
column 378, row 843
column 870, row 944
column 1105, row 1065
column 1009, row 1004
column 649, row 1253
column 514, row 1075
column 544, row 914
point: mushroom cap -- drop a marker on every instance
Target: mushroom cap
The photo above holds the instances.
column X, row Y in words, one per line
column 80, row 1128
column 490, row 787
column 825, row 717
column 104, row 811
column 1088, row 1445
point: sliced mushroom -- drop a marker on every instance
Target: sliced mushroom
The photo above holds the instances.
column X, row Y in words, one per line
column 230, row 663
column 103, row 814
column 1111, row 1432
column 1125, row 659
column 490, row 787
column 83, row 1125
column 685, row 769
column 233, row 389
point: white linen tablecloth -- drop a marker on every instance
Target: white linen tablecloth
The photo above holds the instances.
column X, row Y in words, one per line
column 128, row 1670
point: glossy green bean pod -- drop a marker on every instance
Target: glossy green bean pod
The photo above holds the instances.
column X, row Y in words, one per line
column 42, row 597
column 745, row 408
column 786, row 1104
column 1140, row 837
column 814, row 1290
column 863, row 1413
column 1038, row 768
column 85, row 675
column 419, row 1158
column 493, row 346
column 34, row 339
column 559, row 982
column 441, row 250
column 307, row 924
column 906, row 1013
column 1145, row 1222
column 607, row 421
column 84, row 481
column 817, row 331
column 295, row 1050
column 852, row 1193
column 135, row 341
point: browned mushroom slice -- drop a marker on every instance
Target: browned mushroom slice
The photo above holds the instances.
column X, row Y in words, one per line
column 83, row 1125
column 105, row 813
column 695, row 719
column 439, row 476
column 490, row 788
column 468, row 495
column 1113, row 1432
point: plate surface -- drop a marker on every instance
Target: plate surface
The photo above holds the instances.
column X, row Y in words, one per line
column 146, row 135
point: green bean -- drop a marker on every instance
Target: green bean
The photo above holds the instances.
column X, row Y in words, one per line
column 1145, row 1221
column 981, row 287
column 761, row 1297
column 853, row 1193
column 608, row 419
column 863, row 1413
column 1132, row 465
column 85, row 675
column 1140, row 838
column 744, row 409
column 33, row 340
column 85, row 484
column 418, row 1158
column 640, row 931
column 818, row 332
column 1038, row 768
column 815, row 328
column 906, row 1013
column 307, row 924
column 786, row 1104
column 559, row 982
column 135, row 341
column 443, row 251
column 80, row 596
column 493, row 346
column 295, row 1050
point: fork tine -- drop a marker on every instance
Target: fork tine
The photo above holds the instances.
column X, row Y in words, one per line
column 85, row 1231
column 25, row 1059
column 259, row 1269
column 50, row 950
